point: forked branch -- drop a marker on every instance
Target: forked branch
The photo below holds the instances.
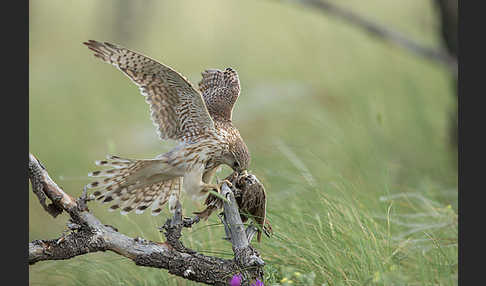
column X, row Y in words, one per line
column 383, row 33
column 88, row 234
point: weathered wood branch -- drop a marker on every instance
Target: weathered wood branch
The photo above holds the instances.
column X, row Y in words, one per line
column 382, row 32
column 88, row 234
column 237, row 233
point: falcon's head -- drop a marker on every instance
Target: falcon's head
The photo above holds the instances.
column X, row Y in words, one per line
column 240, row 156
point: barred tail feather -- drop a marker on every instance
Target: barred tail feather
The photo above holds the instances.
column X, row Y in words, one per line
column 115, row 161
column 159, row 202
column 175, row 194
column 122, row 188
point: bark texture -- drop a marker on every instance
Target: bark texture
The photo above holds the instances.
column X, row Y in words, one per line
column 88, row 234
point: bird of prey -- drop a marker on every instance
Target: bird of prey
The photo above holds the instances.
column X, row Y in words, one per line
column 251, row 199
column 198, row 119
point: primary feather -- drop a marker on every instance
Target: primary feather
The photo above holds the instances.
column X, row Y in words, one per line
column 177, row 108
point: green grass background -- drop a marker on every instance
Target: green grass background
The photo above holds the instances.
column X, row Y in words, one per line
column 348, row 134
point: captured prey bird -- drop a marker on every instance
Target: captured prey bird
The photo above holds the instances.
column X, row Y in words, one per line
column 199, row 119
column 251, row 199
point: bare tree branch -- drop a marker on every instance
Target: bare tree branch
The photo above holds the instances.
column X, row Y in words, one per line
column 383, row 32
column 238, row 233
column 88, row 234
column 449, row 17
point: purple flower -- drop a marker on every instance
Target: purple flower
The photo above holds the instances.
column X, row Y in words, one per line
column 258, row 283
column 236, row 280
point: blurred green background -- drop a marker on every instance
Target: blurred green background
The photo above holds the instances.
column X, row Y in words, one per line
column 349, row 135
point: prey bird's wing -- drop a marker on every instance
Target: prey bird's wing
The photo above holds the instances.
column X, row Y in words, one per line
column 177, row 108
column 220, row 90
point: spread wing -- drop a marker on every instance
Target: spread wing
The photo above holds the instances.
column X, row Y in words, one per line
column 220, row 90
column 177, row 108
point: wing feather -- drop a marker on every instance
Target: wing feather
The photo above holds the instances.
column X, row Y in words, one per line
column 220, row 90
column 176, row 107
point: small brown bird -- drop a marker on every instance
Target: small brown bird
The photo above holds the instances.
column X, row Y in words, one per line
column 199, row 120
column 251, row 199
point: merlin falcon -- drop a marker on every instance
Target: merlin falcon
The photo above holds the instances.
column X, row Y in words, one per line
column 198, row 119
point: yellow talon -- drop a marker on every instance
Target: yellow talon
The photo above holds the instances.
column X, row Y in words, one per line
column 230, row 185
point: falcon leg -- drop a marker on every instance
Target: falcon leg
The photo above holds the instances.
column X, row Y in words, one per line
column 208, row 187
column 230, row 185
